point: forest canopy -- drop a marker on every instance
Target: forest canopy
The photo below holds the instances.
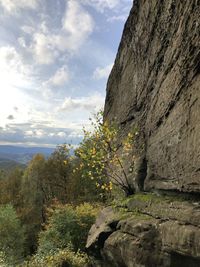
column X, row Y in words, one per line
column 49, row 206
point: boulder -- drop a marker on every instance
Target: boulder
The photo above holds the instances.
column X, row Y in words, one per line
column 147, row 237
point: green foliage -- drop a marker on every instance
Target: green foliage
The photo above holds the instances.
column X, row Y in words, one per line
column 10, row 186
column 67, row 225
column 83, row 189
column 32, row 211
column 2, row 174
column 3, row 261
column 43, row 181
column 59, row 258
column 8, row 165
column 63, row 240
column 103, row 158
column 33, row 190
column 58, row 174
column 11, row 236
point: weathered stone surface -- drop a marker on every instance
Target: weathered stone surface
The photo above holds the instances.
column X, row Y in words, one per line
column 167, row 208
column 135, row 243
column 165, row 237
column 154, row 84
column 102, row 228
column 180, row 238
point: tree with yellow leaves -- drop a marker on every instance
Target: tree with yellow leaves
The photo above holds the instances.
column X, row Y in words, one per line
column 103, row 158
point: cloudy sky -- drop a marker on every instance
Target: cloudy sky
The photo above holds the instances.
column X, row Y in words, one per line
column 55, row 58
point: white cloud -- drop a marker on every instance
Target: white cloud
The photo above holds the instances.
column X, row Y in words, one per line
column 28, row 29
column 117, row 18
column 102, row 73
column 46, row 91
column 12, row 68
column 39, row 133
column 22, row 42
column 61, row 134
column 43, row 49
column 29, row 133
column 8, row 55
column 47, row 44
column 90, row 103
column 15, row 75
column 101, row 5
column 60, row 78
column 115, row 10
column 77, row 23
column 41, row 52
column 13, row 6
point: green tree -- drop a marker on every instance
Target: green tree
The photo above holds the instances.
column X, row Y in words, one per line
column 104, row 158
column 83, row 189
column 67, row 225
column 3, row 182
column 11, row 236
column 12, row 187
column 33, row 205
column 61, row 257
column 58, row 174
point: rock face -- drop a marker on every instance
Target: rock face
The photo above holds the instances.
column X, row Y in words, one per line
column 154, row 84
column 152, row 231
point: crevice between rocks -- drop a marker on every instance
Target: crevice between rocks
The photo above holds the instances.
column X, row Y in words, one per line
column 178, row 260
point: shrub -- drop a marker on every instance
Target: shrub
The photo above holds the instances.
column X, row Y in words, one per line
column 65, row 257
column 11, row 236
column 104, row 157
column 67, row 226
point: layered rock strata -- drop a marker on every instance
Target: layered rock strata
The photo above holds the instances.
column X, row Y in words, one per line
column 154, row 84
column 147, row 231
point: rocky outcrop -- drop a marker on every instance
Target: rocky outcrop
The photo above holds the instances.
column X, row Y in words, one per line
column 147, row 231
column 154, row 84
column 154, row 87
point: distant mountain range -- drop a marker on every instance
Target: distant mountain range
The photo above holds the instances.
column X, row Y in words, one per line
column 8, row 164
column 11, row 156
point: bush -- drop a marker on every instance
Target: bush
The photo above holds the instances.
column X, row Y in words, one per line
column 11, row 236
column 65, row 257
column 67, row 226
column 106, row 158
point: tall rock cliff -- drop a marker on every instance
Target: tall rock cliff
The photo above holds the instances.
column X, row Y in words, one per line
column 155, row 84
